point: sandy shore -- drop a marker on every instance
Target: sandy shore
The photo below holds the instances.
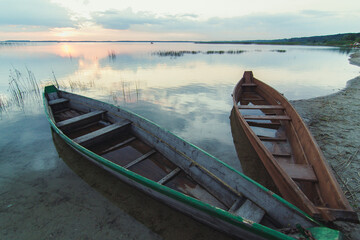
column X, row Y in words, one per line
column 334, row 121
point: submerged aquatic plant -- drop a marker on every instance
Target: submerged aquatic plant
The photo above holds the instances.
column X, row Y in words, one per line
column 112, row 55
column 183, row 52
column 55, row 79
column 3, row 104
column 174, row 53
column 279, row 50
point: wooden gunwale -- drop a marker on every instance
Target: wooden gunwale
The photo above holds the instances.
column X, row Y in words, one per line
column 305, row 151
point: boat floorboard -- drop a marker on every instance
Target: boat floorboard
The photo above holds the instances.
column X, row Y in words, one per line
column 67, row 114
column 183, row 183
column 128, row 153
column 155, row 167
column 85, row 130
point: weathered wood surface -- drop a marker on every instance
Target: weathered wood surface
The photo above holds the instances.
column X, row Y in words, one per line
column 58, row 101
column 172, row 174
column 299, row 171
column 93, row 137
column 267, row 117
column 80, row 120
column 143, row 157
column 272, row 107
column 249, row 210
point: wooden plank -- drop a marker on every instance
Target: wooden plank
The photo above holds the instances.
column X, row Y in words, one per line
column 62, row 110
column 301, row 172
column 58, row 101
column 80, row 120
column 271, row 107
column 271, row 125
column 119, row 145
column 172, row 174
column 340, row 214
column 267, row 117
column 272, row 139
column 101, row 133
column 143, row 157
column 235, row 206
column 251, row 99
column 250, row 211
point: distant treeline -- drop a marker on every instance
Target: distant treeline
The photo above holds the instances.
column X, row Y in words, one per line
column 345, row 39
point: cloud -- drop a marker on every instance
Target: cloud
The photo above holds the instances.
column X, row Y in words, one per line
column 248, row 27
column 115, row 19
column 34, row 14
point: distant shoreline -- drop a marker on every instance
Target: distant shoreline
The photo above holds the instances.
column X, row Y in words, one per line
column 90, row 41
column 347, row 40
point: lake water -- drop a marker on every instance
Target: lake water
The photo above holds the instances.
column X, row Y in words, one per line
column 49, row 192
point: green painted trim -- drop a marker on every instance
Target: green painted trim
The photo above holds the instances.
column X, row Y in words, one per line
column 50, row 89
column 208, row 209
column 324, row 233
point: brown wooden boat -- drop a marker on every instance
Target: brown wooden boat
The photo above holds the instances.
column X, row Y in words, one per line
column 288, row 151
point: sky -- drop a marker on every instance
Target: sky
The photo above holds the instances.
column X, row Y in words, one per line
column 190, row 20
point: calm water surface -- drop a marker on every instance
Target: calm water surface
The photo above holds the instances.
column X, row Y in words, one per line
column 49, row 192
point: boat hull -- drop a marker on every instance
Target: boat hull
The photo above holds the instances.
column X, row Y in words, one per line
column 290, row 156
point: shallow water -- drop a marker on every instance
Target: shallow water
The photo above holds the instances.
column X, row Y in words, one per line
column 50, row 192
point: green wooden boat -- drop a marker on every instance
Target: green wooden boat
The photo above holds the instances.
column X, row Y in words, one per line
column 174, row 171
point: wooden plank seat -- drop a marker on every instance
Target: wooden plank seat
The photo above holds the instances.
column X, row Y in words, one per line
column 169, row 176
column 80, row 120
column 267, row 117
column 101, row 134
column 270, row 107
column 270, row 125
column 247, row 99
column 301, row 172
column 143, row 157
column 248, row 210
column 58, row 101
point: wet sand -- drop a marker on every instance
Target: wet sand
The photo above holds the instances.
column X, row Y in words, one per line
column 334, row 121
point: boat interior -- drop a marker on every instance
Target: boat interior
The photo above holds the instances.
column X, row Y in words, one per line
column 270, row 123
column 114, row 139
